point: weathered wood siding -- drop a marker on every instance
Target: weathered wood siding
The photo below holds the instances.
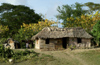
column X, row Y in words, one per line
column 86, row 43
column 57, row 43
column 53, row 44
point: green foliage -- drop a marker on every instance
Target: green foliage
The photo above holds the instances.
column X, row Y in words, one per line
column 24, row 55
column 18, row 56
column 75, row 11
column 15, row 15
column 72, row 47
column 24, row 35
column 2, row 40
column 92, row 6
column 28, row 30
column 67, row 11
column 96, row 32
column 5, row 52
column 3, row 31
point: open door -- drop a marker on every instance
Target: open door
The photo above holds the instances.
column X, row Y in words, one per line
column 64, row 43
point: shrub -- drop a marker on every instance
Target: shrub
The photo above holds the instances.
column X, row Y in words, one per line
column 7, row 53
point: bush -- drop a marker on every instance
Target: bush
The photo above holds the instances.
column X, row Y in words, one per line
column 7, row 53
column 96, row 32
column 24, row 55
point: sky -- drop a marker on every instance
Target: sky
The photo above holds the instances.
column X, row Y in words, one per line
column 46, row 7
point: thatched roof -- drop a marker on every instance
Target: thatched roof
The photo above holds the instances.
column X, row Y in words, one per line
column 54, row 32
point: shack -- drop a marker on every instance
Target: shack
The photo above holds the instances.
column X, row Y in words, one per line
column 57, row 38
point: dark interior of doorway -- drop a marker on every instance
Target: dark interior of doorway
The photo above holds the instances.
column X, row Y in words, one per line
column 64, row 44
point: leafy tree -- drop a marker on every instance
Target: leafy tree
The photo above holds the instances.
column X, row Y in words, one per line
column 28, row 30
column 85, row 21
column 3, row 34
column 67, row 11
column 96, row 32
column 15, row 15
column 64, row 13
column 92, row 6
column 3, row 30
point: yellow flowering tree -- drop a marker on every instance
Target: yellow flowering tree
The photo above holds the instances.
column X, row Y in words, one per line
column 28, row 30
column 85, row 21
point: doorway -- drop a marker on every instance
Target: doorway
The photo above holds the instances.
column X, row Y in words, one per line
column 64, row 42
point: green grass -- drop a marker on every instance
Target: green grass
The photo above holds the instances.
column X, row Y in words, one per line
column 38, row 60
column 91, row 57
column 27, row 57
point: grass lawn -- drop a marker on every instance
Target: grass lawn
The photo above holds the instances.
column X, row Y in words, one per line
column 90, row 57
column 65, row 57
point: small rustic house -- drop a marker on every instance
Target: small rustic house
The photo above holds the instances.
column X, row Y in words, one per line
column 58, row 38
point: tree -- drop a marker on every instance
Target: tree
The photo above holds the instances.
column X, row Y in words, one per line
column 96, row 32
column 28, row 30
column 67, row 11
column 85, row 21
column 92, row 6
column 64, row 13
column 3, row 29
column 15, row 15
column 3, row 34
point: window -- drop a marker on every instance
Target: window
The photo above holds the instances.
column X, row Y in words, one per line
column 47, row 41
column 79, row 40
